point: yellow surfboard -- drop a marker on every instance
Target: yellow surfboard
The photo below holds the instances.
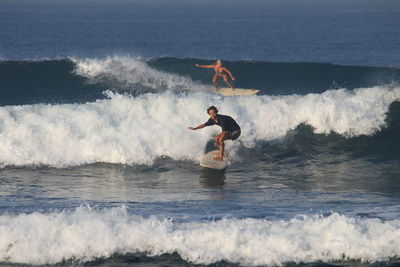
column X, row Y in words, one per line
column 237, row 91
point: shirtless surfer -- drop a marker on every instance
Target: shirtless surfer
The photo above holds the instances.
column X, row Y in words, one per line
column 220, row 71
column 230, row 129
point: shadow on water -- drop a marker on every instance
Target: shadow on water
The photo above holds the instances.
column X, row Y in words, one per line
column 210, row 178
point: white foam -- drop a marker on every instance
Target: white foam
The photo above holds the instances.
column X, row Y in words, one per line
column 85, row 234
column 132, row 72
column 138, row 130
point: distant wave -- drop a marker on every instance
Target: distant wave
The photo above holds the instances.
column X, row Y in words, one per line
column 274, row 78
column 124, row 72
column 78, row 80
column 137, row 130
column 85, row 234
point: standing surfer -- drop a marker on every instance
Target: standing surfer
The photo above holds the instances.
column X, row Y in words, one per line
column 230, row 129
column 220, row 71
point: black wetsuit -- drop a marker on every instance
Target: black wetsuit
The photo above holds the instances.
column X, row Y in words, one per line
column 227, row 124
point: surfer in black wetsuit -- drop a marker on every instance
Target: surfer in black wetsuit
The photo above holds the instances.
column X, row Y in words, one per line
column 230, row 129
column 220, row 71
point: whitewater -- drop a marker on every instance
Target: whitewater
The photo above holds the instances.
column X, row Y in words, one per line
column 137, row 130
column 98, row 167
column 85, row 234
column 112, row 172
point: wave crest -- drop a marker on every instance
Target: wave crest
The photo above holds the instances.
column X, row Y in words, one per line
column 85, row 234
column 137, row 130
column 133, row 73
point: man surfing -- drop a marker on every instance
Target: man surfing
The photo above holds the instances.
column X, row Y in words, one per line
column 230, row 129
column 220, row 71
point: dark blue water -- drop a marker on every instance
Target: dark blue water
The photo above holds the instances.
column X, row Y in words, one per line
column 346, row 32
column 97, row 165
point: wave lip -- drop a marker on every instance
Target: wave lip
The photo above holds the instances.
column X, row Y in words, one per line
column 85, row 234
column 133, row 73
column 138, row 130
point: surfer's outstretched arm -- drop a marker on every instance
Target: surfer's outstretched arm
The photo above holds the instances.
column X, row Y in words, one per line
column 204, row 66
column 198, row 127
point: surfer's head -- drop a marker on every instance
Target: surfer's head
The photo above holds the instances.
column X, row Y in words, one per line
column 212, row 111
column 218, row 62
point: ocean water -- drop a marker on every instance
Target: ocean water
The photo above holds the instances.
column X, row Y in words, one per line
column 97, row 166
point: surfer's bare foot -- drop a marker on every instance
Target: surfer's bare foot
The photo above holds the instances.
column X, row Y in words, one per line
column 218, row 158
column 218, row 153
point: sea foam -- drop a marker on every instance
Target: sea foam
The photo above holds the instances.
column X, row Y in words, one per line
column 84, row 234
column 137, row 130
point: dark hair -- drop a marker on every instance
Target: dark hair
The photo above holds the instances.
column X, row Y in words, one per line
column 210, row 108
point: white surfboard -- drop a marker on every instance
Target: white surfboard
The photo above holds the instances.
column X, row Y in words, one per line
column 208, row 161
column 237, row 91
